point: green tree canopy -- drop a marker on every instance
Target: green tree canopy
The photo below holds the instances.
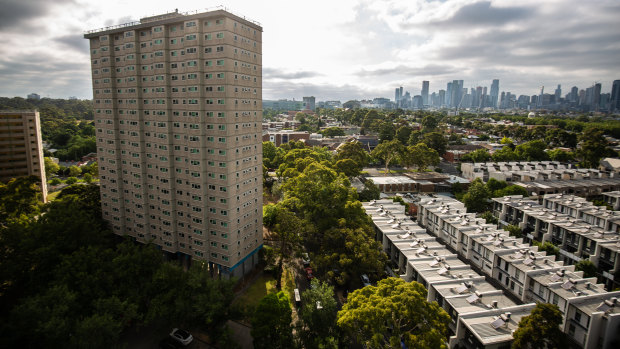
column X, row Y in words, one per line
column 421, row 156
column 593, row 148
column 477, row 196
column 388, row 152
column 589, row 269
column 478, row 155
column 394, row 310
column 271, row 323
column 532, row 150
column 540, row 329
column 332, row 132
column 318, row 316
column 436, row 141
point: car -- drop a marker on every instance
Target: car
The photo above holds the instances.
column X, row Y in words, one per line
column 181, row 336
column 169, row 343
column 365, row 280
column 309, row 274
column 305, row 259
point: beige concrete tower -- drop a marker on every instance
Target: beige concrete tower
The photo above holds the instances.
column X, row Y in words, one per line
column 178, row 113
column 21, row 148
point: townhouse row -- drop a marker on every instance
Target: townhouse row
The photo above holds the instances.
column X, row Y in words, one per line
column 485, row 279
column 581, row 230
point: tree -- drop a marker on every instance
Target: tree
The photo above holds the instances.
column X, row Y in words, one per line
column 514, row 230
column 51, row 168
column 589, row 269
column 505, row 154
column 421, row 156
column 286, row 238
column 74, row 171
column 403, row 133
column 88, row 178
column 353, row 150
column 478, row 155
column 269, row 155
column 394, row 311
column 349, row 167
column 19, row 196
column 540, row 329
column 71, row 180
column 593, row 148
column 437, row 141
column 271, row 323
column 548, row 247
column 345, row 253
column 510, row 190
column 370, row 191
column 477, row 196
column 429, row 123
column 388, row 152
column 532, row 150
column 318, row 316
column 561, row 155
column 332, row 132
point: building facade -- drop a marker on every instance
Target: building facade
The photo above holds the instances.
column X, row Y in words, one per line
column 21, row 147
column 178, row 115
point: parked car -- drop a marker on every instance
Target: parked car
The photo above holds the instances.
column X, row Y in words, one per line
column 365, row 280
column 309, row 273
column 181, row 336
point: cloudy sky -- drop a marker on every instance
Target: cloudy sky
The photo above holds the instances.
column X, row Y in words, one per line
column 343, row 49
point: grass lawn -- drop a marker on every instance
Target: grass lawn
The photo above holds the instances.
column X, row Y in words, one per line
column 52, row 196
column 263, row 286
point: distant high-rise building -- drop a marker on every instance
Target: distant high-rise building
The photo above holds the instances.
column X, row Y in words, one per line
column 574, row 94
column 441, row 96
column 615, row 97
column 425, row 86
column 309, row 102
column 540, row 96
column 21, row 154
column 178, row 112
column 596, row 96
column 494, row 92
column 398, row 96
column 558, row 94
column 34, row 96
column 457, row 93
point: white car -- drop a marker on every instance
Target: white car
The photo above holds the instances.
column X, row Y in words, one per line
column 182, row 336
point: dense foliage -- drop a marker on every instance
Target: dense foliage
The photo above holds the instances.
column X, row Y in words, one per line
column 67, row 282
column 393, row 313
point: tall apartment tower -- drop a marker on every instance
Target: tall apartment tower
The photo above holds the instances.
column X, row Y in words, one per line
column 425, row 86
column 21, row 153
column 494, row 93
column 178, row 117
column 310, row 103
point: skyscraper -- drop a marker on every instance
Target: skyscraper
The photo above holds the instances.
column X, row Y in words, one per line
column 425, row 85
column 449, row 95
column 558, row 94
column 494, row 92
column 178, row 117
column 614, row 105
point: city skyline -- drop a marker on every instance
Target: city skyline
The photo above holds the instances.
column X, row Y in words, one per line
column 345, row 50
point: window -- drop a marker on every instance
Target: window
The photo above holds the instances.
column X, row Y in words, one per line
column 220, row 35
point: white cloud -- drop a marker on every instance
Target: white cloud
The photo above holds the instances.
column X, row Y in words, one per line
column 346, row 48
